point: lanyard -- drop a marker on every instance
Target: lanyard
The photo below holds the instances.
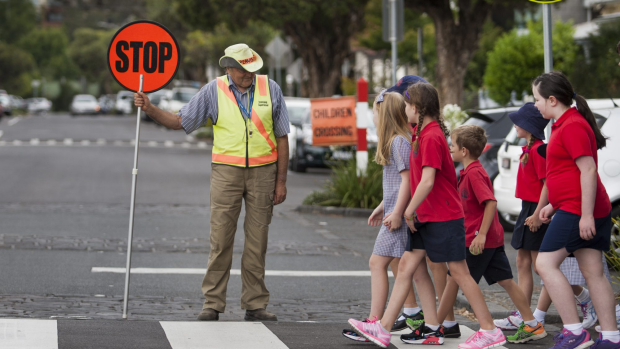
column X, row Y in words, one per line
column 248, row 113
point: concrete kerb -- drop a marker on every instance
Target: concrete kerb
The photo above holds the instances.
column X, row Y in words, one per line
column 332, row 210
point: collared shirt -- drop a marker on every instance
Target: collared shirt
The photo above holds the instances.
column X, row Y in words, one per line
column 203, row 107
column 475, row 189
column 443, row 202
column 572, row 137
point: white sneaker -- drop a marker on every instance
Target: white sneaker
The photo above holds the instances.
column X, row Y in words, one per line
column 509, row 323
column 589, row 314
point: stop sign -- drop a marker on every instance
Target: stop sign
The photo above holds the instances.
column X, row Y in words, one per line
column 143, row 48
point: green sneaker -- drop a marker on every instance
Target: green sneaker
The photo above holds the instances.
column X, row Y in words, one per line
column 414, row 324
column 526, row 333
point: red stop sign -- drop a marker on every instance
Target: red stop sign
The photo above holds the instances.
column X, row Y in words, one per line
column 143, row 47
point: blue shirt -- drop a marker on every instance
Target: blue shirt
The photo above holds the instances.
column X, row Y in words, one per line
column 203, row 107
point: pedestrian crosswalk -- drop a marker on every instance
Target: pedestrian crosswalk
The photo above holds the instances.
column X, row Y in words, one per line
column 70, row 334
column 36, row 142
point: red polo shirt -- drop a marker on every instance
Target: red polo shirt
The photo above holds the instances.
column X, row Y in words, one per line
column 572, row 137
column 442, row 203
column 530, row 175
column 475, row 189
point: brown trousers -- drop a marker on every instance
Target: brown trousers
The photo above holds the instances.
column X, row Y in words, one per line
column 229, row 186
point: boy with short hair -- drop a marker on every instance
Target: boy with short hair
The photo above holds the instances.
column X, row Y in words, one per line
column 484, row 235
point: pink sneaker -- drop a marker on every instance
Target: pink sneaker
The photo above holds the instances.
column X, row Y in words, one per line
column 483, row 340
column 373, row 331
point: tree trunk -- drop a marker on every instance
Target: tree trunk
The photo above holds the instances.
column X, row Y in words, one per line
column 456, row 41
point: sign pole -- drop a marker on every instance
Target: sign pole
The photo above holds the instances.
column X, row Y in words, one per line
column 361, row 111
column 132, row 206
column 393, row 39
column 547, row 40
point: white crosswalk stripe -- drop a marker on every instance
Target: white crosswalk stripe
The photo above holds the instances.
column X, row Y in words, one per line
column 28, row 334
column 232, row 335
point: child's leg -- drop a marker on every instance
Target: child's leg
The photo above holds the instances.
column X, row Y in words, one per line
column 518, row 298
column 577, row 289
column 446, row 305
column 524, row 270
column 379, row 284
column 440, row 273
column 544, row 300
column 601, row 293
column 460, row 273
column 410, row 302
column 548, row 265
column 409, row 265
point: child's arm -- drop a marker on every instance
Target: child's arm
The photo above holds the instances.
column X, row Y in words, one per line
column 534, row 221
column 394, row 219
column 376, row 216
column 477, row 245
column 421, row 192
column 587, row 166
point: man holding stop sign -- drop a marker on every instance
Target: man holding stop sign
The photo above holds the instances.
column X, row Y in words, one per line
column 249, row 162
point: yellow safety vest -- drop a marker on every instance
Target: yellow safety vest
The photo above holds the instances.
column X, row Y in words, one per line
column 238, row 141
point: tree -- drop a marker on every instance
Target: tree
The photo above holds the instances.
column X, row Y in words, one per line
column 321, row 30
column 518, row 59
column 17, row 18
column 89, row 50
column 17, row 68
column 458, row 24
column 49, row 48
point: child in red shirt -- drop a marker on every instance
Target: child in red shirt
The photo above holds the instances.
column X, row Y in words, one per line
column 484, row 234
column 437, row 230
column 582, row 222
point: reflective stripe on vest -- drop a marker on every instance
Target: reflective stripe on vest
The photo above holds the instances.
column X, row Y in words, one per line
column 232, row 143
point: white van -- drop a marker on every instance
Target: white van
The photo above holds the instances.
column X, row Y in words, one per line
column 608, row 118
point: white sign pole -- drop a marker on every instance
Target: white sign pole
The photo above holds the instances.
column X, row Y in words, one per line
column 548, row 49
column 393, row 39
column 132, row 207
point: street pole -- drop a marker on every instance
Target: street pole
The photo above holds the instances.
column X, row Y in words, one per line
column 132, row 207
column 547, row 36
column 393, row 39
column 420, row 51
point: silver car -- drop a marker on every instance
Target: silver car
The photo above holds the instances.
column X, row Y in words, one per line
column 85, row 104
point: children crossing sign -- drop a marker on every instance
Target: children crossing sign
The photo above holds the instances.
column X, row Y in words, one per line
column 143, row 48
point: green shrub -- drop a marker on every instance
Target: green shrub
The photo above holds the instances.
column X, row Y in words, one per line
column 613, row 255
column 347, row 189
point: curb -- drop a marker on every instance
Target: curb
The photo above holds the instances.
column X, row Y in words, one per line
column 499, row 312
column 332, row 210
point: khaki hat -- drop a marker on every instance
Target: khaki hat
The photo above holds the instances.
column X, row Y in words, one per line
column 241, row 56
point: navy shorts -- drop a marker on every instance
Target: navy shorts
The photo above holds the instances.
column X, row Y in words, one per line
column 492, row 263
column 563, row 232
column 522, row 237
column 443, row 241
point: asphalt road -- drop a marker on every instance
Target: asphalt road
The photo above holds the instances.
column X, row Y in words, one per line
column 65, row 187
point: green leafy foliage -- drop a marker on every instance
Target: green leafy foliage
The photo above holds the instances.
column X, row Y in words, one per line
column 17, row 68
column 347, row 189
column 518, row 58
column 17, row 18
column 613, row 255
column 49, row 48
column 474, row 77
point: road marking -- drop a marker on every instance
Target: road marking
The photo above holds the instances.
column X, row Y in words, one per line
column 17, row 142
column 28, row 334
column 51, row 142
column 202, row 271
column 202, row 144
column 118, row 143
column 68, row 141
column 1, row 133
column 185, row 145
column 14, row 120
column 35, row 141
column 85, row 142
column 169, row 144
column 233, row 335
column 152, row 144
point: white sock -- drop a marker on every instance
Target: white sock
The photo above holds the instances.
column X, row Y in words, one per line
column 613, row 336
column 576, row 329
column 448, row 324
column 584, row 296
column 412, row 311
column 617, row 310
column 433, row 327
column 531, row 323
column 540, row 315
column 491, row 331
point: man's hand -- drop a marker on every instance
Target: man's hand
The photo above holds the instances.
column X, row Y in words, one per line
column 141, row 101
column 477, row 245
column 280, row 194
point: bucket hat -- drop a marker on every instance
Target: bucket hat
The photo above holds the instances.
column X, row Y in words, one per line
column 530, row 119
column 401, row 86
column 241, row 56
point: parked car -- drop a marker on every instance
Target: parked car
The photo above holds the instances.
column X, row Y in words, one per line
column 124, row 102
column 85, row 104
column 17, row 102
column 177, row 98
column 302, row 154
column 6, row 104
column 39, row 105
column 608, row 118
column 106, row 102
column 156, row 98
